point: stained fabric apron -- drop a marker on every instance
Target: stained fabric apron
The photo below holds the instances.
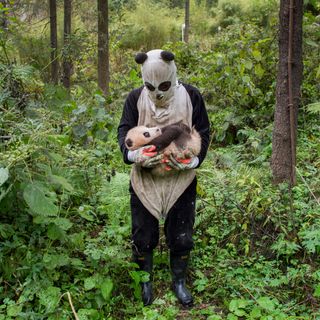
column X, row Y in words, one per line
column 159, row 193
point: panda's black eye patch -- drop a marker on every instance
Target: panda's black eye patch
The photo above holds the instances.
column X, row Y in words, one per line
column 149, row 86
column 164, row 86
column 129, row 143
column 146, row 134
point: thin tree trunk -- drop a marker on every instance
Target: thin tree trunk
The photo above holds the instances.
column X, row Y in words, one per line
column 53, row 41
column 287, row 91
column 67, row 63
column 103, row 47
column 3, row 18
column 186, row 22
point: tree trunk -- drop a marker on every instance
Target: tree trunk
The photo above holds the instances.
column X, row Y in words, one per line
column 287, row 91
column 3, row 18
column 103, row 47
column 53, row 41
column 67, row 63
column 186, row 22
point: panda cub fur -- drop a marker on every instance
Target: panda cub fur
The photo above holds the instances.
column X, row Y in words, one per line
column 177, row 139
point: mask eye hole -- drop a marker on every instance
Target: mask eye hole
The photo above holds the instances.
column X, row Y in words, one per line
column 146, row 134
column 149, row 86
column 165, row 86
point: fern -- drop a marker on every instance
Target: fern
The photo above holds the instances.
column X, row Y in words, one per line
column 114, row 195
column 311, row 239
column 313, row 108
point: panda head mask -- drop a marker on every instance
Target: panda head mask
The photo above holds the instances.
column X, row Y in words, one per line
column 159, row 74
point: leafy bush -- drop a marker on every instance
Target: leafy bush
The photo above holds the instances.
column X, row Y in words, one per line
column 141, row 30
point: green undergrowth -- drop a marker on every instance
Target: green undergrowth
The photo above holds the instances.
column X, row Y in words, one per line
column 64, row 201
column 65, row 224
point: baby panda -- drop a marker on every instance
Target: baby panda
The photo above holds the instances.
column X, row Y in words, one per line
column 176, row 139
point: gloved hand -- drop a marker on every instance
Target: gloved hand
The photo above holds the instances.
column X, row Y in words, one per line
column 182, row 164
column 146, row 156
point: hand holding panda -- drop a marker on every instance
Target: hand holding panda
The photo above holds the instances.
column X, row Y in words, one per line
column 146, row 156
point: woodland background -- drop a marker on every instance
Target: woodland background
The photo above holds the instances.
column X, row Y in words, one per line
column 64, row 201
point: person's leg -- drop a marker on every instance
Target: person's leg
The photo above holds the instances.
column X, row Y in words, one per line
column 145, row 237
column 179, row 230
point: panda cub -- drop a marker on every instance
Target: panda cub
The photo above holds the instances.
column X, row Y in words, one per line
column 176, row 139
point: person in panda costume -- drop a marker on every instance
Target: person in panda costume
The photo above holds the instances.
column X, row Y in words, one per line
column 162, row 101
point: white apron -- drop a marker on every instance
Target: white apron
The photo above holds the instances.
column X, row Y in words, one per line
column 159, row 194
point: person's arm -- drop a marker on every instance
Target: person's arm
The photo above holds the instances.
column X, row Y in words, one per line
column 129, row 119
column 200, row 120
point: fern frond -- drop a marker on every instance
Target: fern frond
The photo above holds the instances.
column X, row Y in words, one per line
column 313, row 108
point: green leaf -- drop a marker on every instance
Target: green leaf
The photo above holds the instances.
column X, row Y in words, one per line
column 232, row 317
column 80, row 109
column 55, row 157
column 89, row 283
column 311, row 239
column 246, row 79
column 318, row 73
column 4, row 175
column 238, row 304
column 55, row 233
column 38, row 202
column 62, row 181
column 14, row 310
column 53, row 261
column 266, row 303
column 314, row 107
column 106, row 288
column 257, row 55
column 59, row 139
column 312, row 43
column 255, row 313
column 248, row 65
column 258, row 70
column 79, row 130
column 49, row 298
column 6, row 230
column 317, row 291
column 63, row 223
column 88, row 314
column 86, row 213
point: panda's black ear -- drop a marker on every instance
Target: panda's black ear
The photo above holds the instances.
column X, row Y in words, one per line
column 167, row 55
column 141, row 57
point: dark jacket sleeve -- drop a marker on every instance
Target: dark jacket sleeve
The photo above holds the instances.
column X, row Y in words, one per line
column 199, row 120
column 128, row 120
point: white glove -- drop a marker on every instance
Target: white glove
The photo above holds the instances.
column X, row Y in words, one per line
column 182, row 164
column 145, row 156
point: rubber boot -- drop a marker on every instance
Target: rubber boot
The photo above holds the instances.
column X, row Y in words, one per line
column 179, row 264
column 145, row 262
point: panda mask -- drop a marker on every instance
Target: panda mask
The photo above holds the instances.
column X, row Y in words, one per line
column 159, row 75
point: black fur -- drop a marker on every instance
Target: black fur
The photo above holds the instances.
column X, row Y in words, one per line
column 141, row 57
column 167, row 55
column 177, row 132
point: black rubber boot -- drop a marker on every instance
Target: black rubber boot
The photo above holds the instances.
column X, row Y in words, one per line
column 179, row 264
column 145, row 262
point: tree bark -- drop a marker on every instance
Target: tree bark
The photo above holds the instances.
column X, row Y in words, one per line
column 3, row 17
column 103, row 47
column 53, row 41
column 186, row 22
column 67, row 63
column 288, row 94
